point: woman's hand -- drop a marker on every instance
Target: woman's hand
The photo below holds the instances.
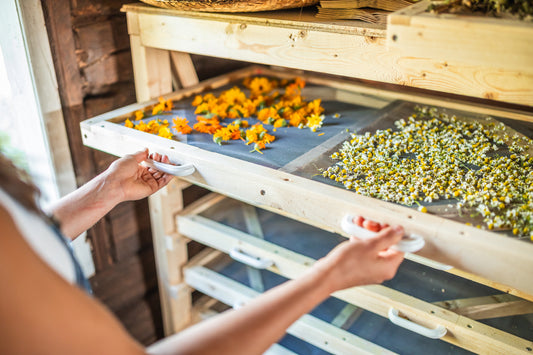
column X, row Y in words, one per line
column 361, row 262
column 125, row 180
column 129, row 180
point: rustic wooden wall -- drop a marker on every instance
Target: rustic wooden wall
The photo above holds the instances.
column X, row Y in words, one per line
column 90, row 46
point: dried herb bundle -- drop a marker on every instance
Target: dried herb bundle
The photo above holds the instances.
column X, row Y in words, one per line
column 521, row 8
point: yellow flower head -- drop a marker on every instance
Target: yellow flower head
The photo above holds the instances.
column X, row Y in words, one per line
column 315, row 121
column 164, row 132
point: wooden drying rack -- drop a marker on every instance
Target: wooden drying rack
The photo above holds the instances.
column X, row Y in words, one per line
column 458, row 75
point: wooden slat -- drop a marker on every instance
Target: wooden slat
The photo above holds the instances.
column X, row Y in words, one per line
column 184, row 67
column 308, row 328
column 495, row 306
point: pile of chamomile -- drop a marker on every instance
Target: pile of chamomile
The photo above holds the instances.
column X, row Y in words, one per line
column 485, row 170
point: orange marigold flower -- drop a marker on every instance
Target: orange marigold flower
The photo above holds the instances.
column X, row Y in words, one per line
column 202, row 108
column 314, row 107
column 299, row 82
column 139, row 114
column 158, row 109
column 153, row 127
column 232, row 96
column 260, row 85
column 230, row 132
column 197, row 100
column 268, row 115
column 259, row 135
column 206, row 125
column 280, row 122
column 169, row 105
column 296, row 119
column 128, row 123
column 181, row 125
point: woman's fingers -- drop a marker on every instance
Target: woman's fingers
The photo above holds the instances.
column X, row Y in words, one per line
column 387, row 237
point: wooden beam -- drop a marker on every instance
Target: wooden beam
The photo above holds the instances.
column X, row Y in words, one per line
column 495, row 306
column 183, row 66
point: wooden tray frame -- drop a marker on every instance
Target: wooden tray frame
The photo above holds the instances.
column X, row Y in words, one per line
column 503, row 263
column 461, row 331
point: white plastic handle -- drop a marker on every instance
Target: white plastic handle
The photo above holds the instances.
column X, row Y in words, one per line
column 435, row 333
column 408, row 244
column 250, row 260
column 176, row 170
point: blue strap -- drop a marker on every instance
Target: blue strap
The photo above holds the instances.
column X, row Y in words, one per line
column 81, row 280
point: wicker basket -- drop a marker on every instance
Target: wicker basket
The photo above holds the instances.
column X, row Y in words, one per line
column 230, row 5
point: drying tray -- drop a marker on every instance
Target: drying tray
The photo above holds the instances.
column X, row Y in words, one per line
column 432, row 286
column 285, row 178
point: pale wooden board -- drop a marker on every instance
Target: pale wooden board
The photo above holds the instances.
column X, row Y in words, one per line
column 333, row 49
column 468, row 39
column 488, row 307
column 308, row 328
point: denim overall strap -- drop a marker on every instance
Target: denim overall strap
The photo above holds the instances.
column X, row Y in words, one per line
column 81, row 280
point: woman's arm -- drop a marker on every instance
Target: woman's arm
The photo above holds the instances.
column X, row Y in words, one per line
column 124, row 180
column 253, row 328
column 42, row 313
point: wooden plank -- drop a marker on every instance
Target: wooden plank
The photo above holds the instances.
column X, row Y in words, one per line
column 142, row 319
column 100, row 76
column 151, row 66
column 469, row 39
column 120, row 94
column 135, row 274
column 129, row 228
column 495, row 306
column 100, row 40
column 333, row 52
column 184, row 68
column 308, row 328
column 461, row 331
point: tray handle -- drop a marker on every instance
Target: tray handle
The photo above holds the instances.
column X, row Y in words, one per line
column 435, row 333
column 408, row 244
column 176, row 170
column 250, row 260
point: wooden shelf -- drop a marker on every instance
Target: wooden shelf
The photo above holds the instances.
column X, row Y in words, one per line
column 364, row 59
column 446, row 58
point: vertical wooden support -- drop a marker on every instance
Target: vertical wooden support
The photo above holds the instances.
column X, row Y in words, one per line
column 151, row 66
column 184, row 68
column 153, row 78
column 167, row 249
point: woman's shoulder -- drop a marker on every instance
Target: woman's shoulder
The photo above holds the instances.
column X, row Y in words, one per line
column 37, row 233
